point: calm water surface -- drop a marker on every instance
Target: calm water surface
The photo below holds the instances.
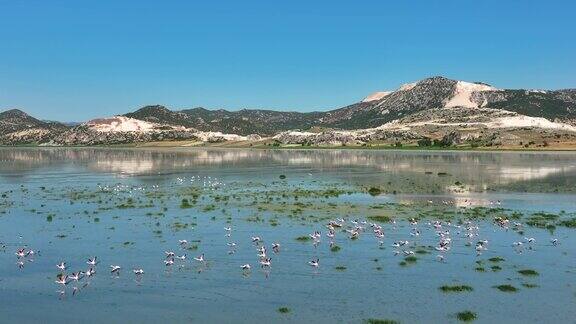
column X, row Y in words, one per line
column 125, row 206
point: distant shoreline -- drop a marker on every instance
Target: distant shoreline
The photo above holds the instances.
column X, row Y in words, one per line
column 260, row 146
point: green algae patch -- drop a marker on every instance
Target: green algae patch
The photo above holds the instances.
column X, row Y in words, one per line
column 284, row 310
column 506, row 288
column 528, row 272
column 380, row 321
column 456, row 288
column 466, row 316
column 570, row 223
column 374, row 191
column 380, row 218
column 496, row 259
column 411, row 259
column 185, row 204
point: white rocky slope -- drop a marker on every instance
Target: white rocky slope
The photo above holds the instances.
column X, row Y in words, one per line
column 461, row 123
column 463, row 92
column 376, row 96
column 123, row 124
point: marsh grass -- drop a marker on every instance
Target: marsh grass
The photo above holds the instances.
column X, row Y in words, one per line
column 528, row 272
column 456, row 288
column 570, row 223
column 506, row 288
column 542, row 220
column 284, row 310
column 185, row 204
column 373, row 191
column 380, row 218
column 381, row 321
column 466, row 316
column 411, row 259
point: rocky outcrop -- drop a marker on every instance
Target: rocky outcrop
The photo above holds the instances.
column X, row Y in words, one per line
column 84, row 135
column 17, row 127
column 339, row 138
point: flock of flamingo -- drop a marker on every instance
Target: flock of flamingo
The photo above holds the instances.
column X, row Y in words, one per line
column 352, row 229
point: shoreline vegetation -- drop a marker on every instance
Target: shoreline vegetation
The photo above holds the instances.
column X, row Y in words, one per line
column 563, row 147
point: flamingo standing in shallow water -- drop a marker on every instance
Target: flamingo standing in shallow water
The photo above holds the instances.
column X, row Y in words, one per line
column 61, row 266
column 200, row 258
column 314, row 263
column 115, row 269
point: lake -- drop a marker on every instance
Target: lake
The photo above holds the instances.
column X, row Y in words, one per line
column 507, row 219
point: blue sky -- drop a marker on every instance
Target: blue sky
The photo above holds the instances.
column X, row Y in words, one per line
column 76, row 60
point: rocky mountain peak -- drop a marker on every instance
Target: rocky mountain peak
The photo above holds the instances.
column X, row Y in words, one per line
column 14, row 114
column 152, row 109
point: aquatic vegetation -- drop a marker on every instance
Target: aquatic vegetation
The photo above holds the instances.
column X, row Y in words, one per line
column 466, row 316
column 179, row 226
column 480, row 269
column 49, row 218
column 185, row 204
column 528, row 272
column 529, row 285
column 340, row 268
column 209, row 208
column 495, row 268
column 303, row 238
column 129, row 203
column 284, row 310
column 335, row 248
column 570, row 223
column 496, row 259
column 381, row 321
column 373, row 191
column 542, row 220
column 456, row 288
column 411, row 259
column 282, row 177
column 380, row 218
column 506, row 288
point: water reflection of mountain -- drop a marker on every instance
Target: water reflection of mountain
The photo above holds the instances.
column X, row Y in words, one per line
column 481, row 170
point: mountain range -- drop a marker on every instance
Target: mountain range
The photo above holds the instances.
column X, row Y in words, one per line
column 432, row 108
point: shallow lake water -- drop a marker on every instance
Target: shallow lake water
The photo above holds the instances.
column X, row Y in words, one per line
column 129, row 206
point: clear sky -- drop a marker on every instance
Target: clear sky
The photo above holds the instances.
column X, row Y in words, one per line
column 75, row 60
